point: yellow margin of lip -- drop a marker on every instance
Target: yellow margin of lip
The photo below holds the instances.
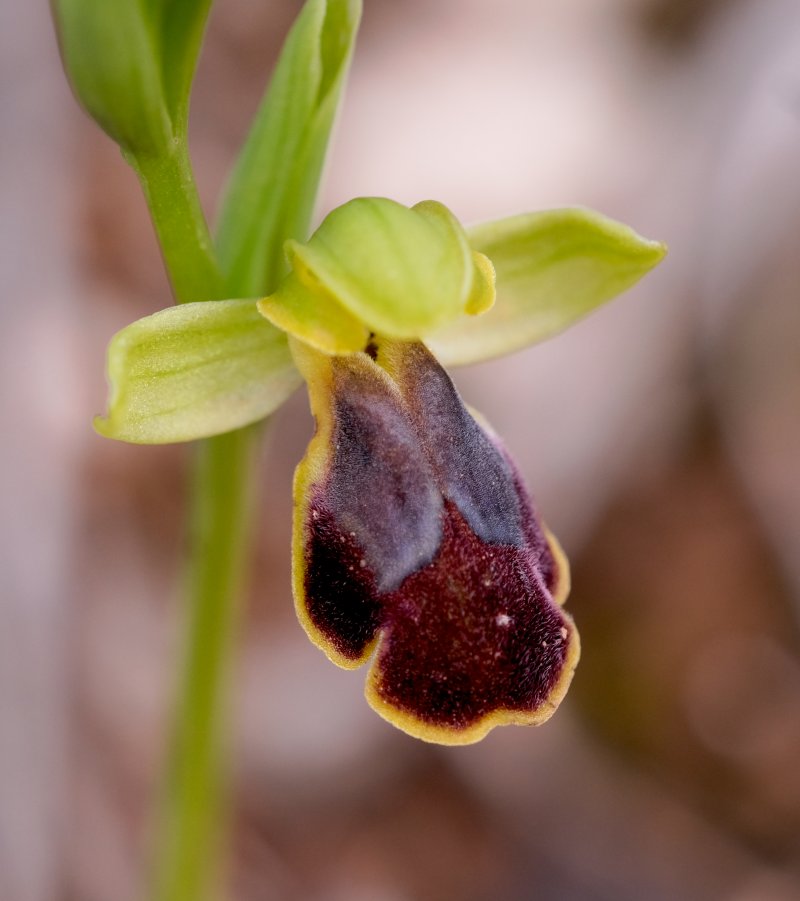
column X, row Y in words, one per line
column 560, row 590
column 443, row 735
column 317, row 369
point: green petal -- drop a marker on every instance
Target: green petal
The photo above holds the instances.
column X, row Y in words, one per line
column 195, row 370
column 397, row 271
column 484, row 289
column 552, row 269
column 314, row 317
column 273, row 188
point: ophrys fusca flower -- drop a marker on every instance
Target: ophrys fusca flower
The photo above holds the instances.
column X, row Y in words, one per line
column 416, row 544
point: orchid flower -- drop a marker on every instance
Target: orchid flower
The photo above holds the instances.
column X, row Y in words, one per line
column 415, row 542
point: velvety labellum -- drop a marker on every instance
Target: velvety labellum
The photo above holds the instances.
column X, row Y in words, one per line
column 416, row 541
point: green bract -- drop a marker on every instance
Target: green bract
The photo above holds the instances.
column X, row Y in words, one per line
column 205, row 368
column 195, row 370
column 271, row 193
column 552, row 268
column 377, row 266
column 179, row 27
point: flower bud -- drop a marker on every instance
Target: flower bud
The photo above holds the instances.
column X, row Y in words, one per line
column 109, row 54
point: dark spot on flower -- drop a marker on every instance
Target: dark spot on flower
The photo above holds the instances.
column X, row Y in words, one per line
column 340, row 593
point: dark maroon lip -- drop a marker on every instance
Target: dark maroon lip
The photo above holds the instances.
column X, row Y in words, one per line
column 420, row 532
column 473, row 631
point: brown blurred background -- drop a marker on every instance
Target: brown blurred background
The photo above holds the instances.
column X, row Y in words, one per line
column 661, row 438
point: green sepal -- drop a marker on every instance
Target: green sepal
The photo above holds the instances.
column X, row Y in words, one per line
column 396, row 271
column 271, row 193
column 552, row 268
column 110, row 53
column 193, row 371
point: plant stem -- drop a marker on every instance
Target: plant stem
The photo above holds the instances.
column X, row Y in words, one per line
column 186, row 245
column 186, row 867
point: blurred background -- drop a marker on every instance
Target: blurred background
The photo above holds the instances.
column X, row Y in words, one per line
column 661, row 438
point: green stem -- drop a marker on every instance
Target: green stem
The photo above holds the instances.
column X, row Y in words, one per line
column 183, row 234
column 186, row 867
